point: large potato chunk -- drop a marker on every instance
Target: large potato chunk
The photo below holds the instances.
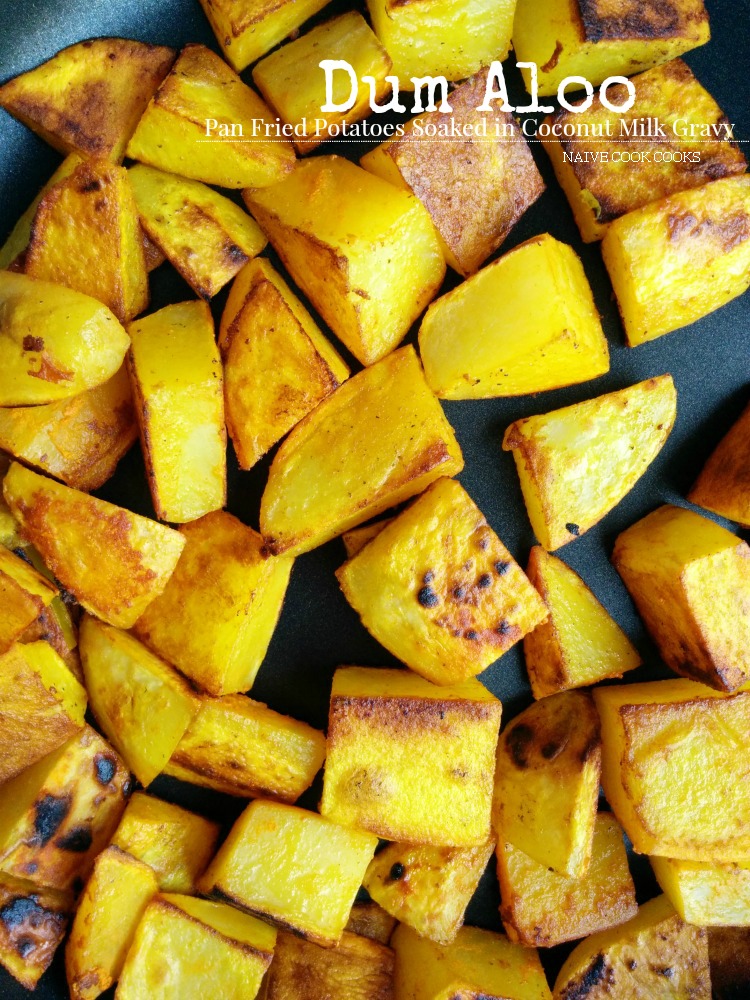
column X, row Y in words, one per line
column 660, row 738
column 33, row 921
column 364, row 252
column 201, row 89
column 690, row 580
column 292, row 867
column 724, row 484
column 525, row 323
column 24, row 594
column 54, row 342
column 89, row 97
column 601, row 38
column 375, row 781
column 277, row 364
column 577, row 463
column 439, row 589
column 706, row 893
column 357, row 969
column 114, row 562
column 176, row 374
column 223, row 567
column 378, row 440
column 679, row 259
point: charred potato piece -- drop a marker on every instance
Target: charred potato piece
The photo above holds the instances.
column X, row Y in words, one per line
column 33, row 921
column 724, row 484
column 706, row 893
column 358, row 969
column 24, row 594
column 371, row 921
column 729, row 954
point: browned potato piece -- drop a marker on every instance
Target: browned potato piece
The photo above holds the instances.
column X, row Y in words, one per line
column 358, row 969
column 724, row 484
column 33, row 920
column 24, row 594
column 729, row 954
column 371, row 921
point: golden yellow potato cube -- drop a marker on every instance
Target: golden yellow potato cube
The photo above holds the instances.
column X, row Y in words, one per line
column 244, row 589
column 377, row 441
column 439, row 589
column 604, row 189
column 202, row 99
column 541, row 908
column 427, row 888
column 357, row 969
column 77, row 343
column 293, row 85
column 364, row 252
column 580, row 643
column 240, row 747
column 706, row 893
column 194, row 949
column 176, row 375
column 24, row 594
column 116, row 895
column 525, row 323
column 479, row 964
column 724, row 484
column 654, row 956
column 729, row 955
column 498, row 177
column 33, row 920
column 292, row 867
column 377, row 719
column 575, row 464
column 277, row 364
column 176, row 844
column 371, row 921
column 690, row 580
column 356, row 539
column 114, row 562
column 663, row 736
column 681, row 258
column 597, row 39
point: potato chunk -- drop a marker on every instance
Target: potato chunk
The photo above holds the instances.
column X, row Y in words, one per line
column 24, row 594
column 601, row 38
column 292, row 867
column 372, row 773
column 176, row 374
column 579, row 644
column 654, row 956
column 706, row 893
column 364, row 252
column 525, row 323
column 223, row 567
column 498, row 177
column 201, row 89
column 277, row 364
column 679, row 259
column 542, row 908
column 89, row 97
column 600, row 191
column 575, row 464
column 724, row 484
column 33, row 920
column 114, row 562
column 371, row 921
column 661, row 737
column 357, row 969
column 387, row 417
column 439, row 589
column 54, row 342
column 690, row 580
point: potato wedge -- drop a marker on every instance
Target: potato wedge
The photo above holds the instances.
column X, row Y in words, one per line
column 358, row 969
column 33, row 920
column 729, row 955
column 371, row 921
column 24, row 594
column 724, row 483
column 706, row 893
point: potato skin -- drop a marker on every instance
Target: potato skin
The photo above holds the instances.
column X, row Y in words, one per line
column 361, row 968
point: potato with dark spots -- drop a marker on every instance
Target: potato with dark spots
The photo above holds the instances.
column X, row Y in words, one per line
column 724, row 483
column 33, row 921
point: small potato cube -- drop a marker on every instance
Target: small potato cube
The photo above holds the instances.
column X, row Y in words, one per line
column 223, row 567
column 113, row 902
column 292, row 867
column 176, row 844
column 547, row 782
column 575, row 464
column 371, row 921
column 654, row 956
column 358, row 969
column 706, row 894
column 365, row 253
column 601, row 191
column 602, row 38
column 729, row 954
column 681, row 258
column 690, row 580
column 24, row 594
column 293, row 84
column 240, row 747
column 662, row 737
column 374, row 779
column 277, row 364
column 58, row 814
column 204, row 235
column 479, row 964
column 492, row 180
column 356, row 539
column 579, row 644
column 542, row 908
column 377, row 441
column 439, row 589
column 724, row 484
column 175, row 371
column 203, row 98
column 525, row 323
column 427, row 888
column 194, row 949
column 33, row 921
